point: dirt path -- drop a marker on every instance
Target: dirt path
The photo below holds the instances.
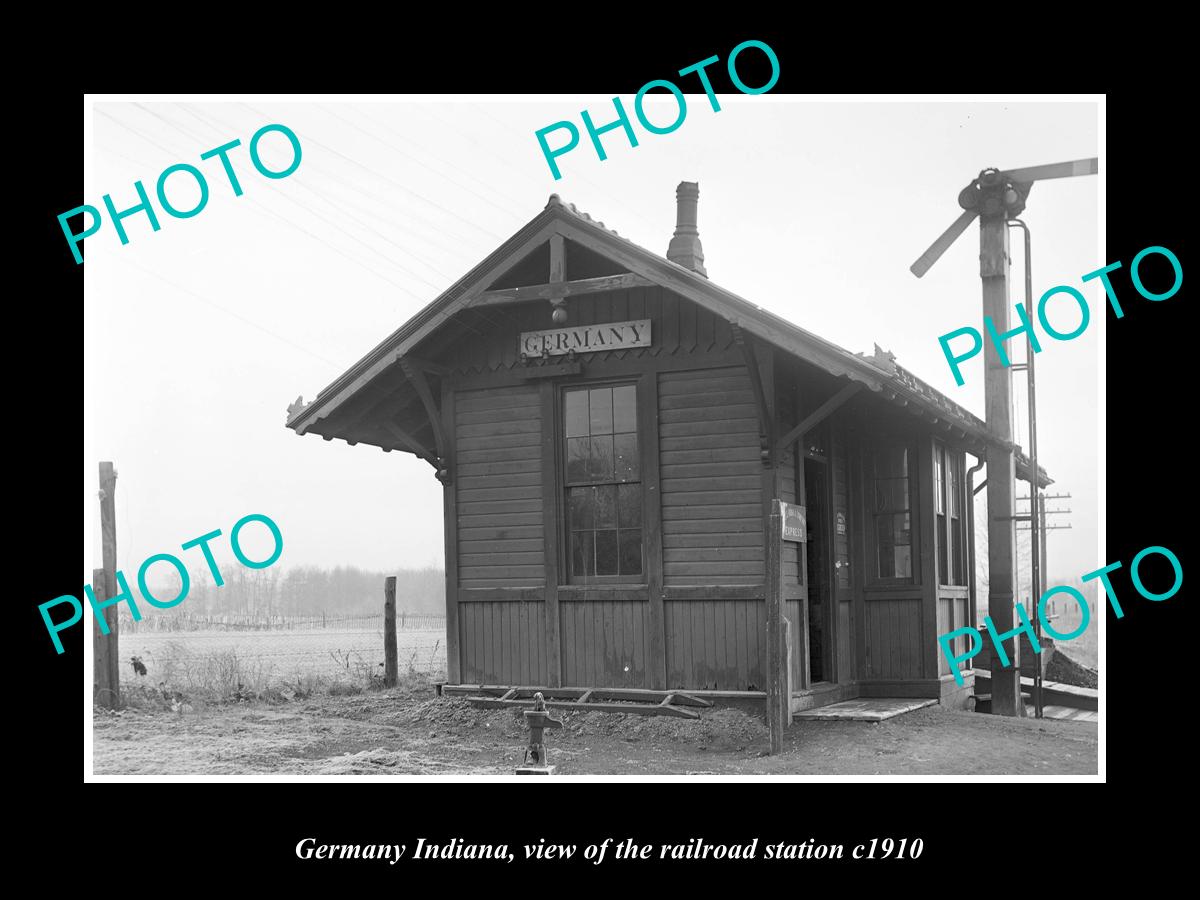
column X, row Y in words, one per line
column 412, row 732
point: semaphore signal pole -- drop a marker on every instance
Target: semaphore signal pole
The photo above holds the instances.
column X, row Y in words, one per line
column 995, row 197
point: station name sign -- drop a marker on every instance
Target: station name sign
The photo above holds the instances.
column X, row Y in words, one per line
column 586, row 338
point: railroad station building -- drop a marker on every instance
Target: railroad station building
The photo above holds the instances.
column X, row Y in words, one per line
column 611, row 428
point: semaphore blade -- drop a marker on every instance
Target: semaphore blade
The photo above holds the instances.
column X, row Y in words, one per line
column 942, row 244
column 1055, row 170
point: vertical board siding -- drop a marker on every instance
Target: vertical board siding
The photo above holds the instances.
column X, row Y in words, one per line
column 604, row 643
column 716, row 645
column 790, row 556
column 498, row 481
column 711, row 478
column 502, row 642
column 841, row 504
column 845, row 667
column 893, row 633
column 945, row 616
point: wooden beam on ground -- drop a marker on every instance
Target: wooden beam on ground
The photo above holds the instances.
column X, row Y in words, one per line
column 636, row 708
column 821, row 413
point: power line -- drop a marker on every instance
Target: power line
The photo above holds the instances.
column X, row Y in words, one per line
column 209, row 119
column 391, row 181
column 516, row 201
column 453, row 317
column 313, row 212
column 230, row 312
column 362, row 224
column 423, row 165
column 273, row 214
column 582, row 178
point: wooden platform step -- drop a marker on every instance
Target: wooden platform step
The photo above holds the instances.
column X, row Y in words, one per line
column 867, row 709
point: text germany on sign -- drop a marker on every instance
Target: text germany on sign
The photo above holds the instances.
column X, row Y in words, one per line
column 586, row 338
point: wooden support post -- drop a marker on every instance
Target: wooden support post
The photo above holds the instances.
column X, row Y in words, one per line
column 106, row 658
column 779, row 705
column 391, row 670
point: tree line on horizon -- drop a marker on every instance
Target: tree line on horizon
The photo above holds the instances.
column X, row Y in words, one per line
column 305, row 591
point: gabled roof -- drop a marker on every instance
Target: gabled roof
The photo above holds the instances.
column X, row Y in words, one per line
column 877, row 371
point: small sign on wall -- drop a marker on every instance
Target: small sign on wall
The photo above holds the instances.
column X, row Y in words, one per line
column 793, row 522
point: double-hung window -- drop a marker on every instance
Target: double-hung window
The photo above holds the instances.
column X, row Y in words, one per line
column 602, row 478
column 891, row 511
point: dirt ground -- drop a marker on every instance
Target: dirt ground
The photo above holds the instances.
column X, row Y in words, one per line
column 408, row 730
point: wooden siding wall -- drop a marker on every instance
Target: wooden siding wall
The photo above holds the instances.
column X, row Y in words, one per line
column 716, row 644
column 790, row 557
column 605, row 643
column 711, row 475
column 500, row 535
column 502, row 642
column 499, row 458
column 894, row 640
column 839, row 472
column 712, row 488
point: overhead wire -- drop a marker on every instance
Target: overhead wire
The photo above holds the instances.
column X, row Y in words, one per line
column 229, row 312
column 409, row 156
column 391, row 181
column 267, row 211
column 209, row 119
column 313, row 212
column 582, row 178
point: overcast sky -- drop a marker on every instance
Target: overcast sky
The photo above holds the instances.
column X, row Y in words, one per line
column 201, row 334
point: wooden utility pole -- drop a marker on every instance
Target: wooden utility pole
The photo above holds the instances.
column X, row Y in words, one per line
column 1042, row 541
column 391, row 669
column 106, row 661
column 779, row 703
column 994, row 263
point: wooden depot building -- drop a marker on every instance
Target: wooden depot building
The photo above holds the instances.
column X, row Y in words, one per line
column 611, row 429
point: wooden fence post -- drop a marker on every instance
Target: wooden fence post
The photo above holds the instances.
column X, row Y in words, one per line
column 391, row 671
column 106, row 659
column 105, row 690
column 779, row 704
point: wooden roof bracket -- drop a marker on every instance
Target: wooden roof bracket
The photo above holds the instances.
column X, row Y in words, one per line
column 822, row 412
column 416, row 376
column 766, row 419
column 411, row 444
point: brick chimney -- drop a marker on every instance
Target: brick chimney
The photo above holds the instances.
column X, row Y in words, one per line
column 685, row 246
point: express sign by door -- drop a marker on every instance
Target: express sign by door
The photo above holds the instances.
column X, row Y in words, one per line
column 793, row 522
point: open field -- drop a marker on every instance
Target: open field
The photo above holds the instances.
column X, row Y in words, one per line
column 408, row 730
column 269, row 658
